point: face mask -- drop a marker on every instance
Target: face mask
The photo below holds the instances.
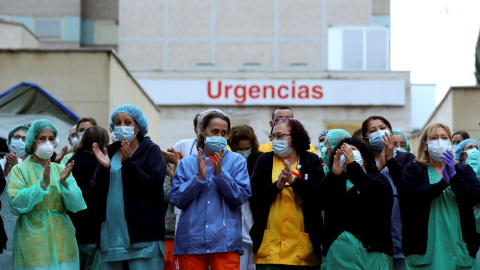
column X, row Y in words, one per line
column 376, row 140
column 454, row 147
column 215, row 143
column 44, row 150
column 113, row 138
column 124, row 133
column 400, row 149
column 436, row 148
column 18, row 146
column 321, row 145
column 73, row 141
column 356, row 155
column 281, row 148
column 245, row 153
column 80, row 134
column 470, row 151
column 323, row 151
column 473, row 156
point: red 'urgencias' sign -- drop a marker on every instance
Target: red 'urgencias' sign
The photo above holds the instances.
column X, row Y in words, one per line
column 242, row 91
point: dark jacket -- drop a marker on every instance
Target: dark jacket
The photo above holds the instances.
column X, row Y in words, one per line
column 265, row 193
column 142, row 175
column 364, row 211
column 251, row 160
column 395, row 166
column 418, row 194
column 86, row 225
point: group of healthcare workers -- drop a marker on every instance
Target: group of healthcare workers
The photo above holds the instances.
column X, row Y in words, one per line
column 365, row 202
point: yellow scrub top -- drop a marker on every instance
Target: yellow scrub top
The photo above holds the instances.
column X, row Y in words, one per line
column 44, row 236
column 285, row 241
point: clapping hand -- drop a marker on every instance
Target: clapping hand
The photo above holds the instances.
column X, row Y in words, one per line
column 102, row 157
column 448, row 170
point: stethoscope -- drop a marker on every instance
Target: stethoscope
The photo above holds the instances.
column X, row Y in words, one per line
column 193, row 144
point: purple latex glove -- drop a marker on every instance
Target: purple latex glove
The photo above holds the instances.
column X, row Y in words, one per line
column 448, row 169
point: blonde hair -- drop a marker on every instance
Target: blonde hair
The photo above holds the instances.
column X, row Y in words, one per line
column 422, row 154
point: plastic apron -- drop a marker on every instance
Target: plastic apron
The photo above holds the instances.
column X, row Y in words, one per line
column 44, row 236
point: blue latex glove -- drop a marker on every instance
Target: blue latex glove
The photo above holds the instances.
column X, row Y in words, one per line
column 448, row 169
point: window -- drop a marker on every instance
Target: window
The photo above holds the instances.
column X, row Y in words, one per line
column 49, row 28
column 106, row 32
column 358, row 48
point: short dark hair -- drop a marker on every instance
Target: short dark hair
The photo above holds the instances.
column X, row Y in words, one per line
column 95, row 134
column 86, row 119
column 206, row 121
column 367, row 155
column 281, row 108
column 242, row 132
column 462, row 133
column 374, row 117
column 298, row 133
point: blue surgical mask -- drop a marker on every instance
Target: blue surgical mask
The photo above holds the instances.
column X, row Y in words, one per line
column 281, row 148
column 436, row 148
column 321, row 145
column 18, row 146
column 473, row 156
column 124, row 133
column 400, row 149
column 356, row 154
column 376, row 140
column 325, row 157
column 215, row 143
column 245, row 153
column 80, row 134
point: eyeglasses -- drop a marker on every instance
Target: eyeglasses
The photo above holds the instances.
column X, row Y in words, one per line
column 278, row 136
column 18, row 137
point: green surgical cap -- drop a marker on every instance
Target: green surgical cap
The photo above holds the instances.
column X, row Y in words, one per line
column 334, row 136
column 134, row 112
column 10, row 134
column 407, row 144
column 34, row 129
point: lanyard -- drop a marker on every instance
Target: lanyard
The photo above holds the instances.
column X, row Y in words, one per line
column 298, row 174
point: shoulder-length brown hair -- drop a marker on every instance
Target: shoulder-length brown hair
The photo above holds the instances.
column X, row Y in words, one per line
column 422, row 154
column 298, row 133
column 95, row 134
column 242, row 132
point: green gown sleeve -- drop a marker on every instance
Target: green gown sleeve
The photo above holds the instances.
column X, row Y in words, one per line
column 72, row 196
column 21, row 198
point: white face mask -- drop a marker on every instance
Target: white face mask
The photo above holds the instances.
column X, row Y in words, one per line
column 44, row 150
column 436, row 148
column 73, row 141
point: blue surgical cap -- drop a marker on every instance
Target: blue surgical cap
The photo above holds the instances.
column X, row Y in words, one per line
column 407, row 144
column 323, row 133
column 461, row 145
column 10, row 134
column 334, row 136
column 134, row 112
column 34, row 129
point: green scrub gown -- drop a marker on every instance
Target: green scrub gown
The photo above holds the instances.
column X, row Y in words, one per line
column 347, row 252
column 446, row 248
column 44, row 236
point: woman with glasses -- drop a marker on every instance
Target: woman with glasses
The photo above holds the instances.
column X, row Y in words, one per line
column 288, row 223
column 127, row 192
column 16, row 145
column 438, row 218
